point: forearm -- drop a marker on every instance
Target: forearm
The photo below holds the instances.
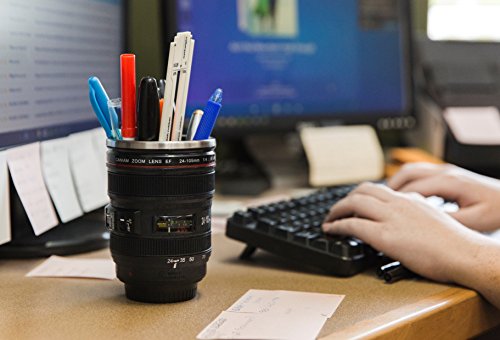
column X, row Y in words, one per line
column 479, row 267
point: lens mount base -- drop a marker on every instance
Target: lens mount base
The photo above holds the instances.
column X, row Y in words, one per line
column 160, row 294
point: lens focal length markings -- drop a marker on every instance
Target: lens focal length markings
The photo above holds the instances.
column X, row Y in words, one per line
column 129, row 160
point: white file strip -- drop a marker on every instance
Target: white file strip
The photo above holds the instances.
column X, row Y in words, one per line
column 5, row 231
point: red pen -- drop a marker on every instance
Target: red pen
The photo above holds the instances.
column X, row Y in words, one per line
column 127, row 73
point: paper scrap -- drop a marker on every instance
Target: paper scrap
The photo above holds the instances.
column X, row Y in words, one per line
column 5, row 231
column 57, row 266
column 26, row 172
column 474, row 125
column 57, row 175
column 87, row 172
column 265, row 314
column 342, row 154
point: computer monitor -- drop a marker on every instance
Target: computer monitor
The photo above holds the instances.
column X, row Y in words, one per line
column 48, row 50
column 281, row 62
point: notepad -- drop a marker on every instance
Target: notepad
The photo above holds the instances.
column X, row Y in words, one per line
column 26, row 172
column 5, row 231
column 57, row 266
column 342, row 154
column 268, row 314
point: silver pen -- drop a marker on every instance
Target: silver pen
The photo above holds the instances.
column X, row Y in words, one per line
column 193, row 124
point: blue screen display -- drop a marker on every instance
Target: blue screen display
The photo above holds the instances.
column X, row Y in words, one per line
column 297, row 57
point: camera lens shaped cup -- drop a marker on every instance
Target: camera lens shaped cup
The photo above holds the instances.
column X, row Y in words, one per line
column 159, row 216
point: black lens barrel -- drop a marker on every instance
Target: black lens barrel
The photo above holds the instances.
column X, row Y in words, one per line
column 159, row 216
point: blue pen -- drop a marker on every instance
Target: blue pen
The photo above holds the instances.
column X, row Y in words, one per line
column 209, row 117
column 99, row 100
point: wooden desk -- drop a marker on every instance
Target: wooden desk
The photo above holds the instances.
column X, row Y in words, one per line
column 51, row 308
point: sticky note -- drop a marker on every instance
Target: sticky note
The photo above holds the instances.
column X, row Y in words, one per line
column 57, row 175
column 5, row 231
column 26, row 172
column 87, row 171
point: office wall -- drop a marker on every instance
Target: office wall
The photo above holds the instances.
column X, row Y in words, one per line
column 145, row 36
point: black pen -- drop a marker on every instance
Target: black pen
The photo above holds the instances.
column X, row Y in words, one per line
column 148, row 112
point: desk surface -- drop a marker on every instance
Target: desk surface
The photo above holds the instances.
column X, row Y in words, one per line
column 71, row 308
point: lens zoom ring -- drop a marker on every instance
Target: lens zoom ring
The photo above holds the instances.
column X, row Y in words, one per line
column 136, row 185
column 135, row 246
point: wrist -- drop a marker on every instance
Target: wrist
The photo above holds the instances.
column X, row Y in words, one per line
column 468, row 267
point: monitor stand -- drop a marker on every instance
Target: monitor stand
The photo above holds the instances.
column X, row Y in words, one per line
column 255, row 163
column 83, row 234
column 237, row 172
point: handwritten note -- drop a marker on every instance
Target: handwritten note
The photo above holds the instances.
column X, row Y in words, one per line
column 87, row 171
column 5, row 231
column 26, row 172
column 57, row 175
column 263, row 314
column 57, row 266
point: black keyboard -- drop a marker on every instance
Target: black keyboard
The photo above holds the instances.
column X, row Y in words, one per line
column 293, row 229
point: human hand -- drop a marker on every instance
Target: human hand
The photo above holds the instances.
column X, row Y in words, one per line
column 478, row 196
column 404, row 227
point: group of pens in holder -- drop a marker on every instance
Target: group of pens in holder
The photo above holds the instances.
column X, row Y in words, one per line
column 158, row 113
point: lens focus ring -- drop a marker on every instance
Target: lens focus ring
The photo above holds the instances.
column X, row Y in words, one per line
column 136, row 185
column 134, row 246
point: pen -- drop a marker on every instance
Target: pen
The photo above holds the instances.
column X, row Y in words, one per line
column 148, row 113
column 193, row 124
column 127, row 73
column 209, row 117
column 161, row 88
column 177, row 77
column 187, row 43
column 96, row 96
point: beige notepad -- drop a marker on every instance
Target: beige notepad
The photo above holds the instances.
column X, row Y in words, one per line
column 342, row 154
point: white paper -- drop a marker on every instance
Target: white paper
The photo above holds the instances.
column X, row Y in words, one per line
column 342, row 154
column 99, row 140
column 26, row 172
column 57, row 266
column 474, row 125
column 5, row 231
column 293, row 325
column 87, row 172
column 258, row 301
column 57, row 175
column 266, row 314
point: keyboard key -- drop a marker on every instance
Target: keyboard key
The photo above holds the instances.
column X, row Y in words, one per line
column 283, row 231
column 266, row 224
column 305, row 236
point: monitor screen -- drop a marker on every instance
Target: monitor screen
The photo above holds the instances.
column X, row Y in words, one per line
column 48, row 49
column 285, row 61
